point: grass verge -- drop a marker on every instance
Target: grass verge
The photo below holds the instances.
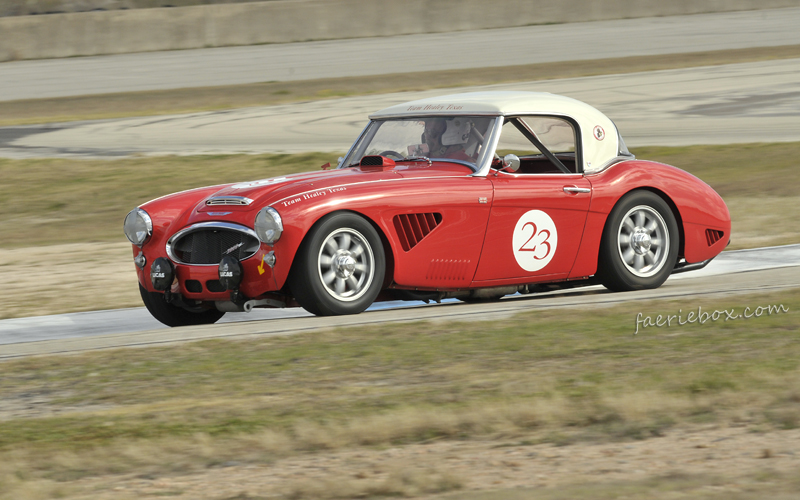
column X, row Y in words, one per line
column 160, row 102
column 547, row 377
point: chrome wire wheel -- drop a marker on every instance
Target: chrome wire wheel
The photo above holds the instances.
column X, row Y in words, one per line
column 643, row 241
column 346, row 264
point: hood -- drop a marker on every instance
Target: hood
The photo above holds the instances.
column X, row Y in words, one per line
column 237, row 203
column 265, row 192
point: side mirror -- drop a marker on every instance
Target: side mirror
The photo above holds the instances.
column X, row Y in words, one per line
column 510, row 163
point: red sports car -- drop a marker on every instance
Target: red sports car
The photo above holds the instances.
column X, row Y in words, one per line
column 473, row 196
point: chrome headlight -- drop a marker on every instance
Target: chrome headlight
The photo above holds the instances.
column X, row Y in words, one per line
column 268, row 225
column 138, row 226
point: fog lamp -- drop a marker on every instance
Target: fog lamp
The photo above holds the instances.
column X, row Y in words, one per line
column 162, row 274
column 230, row 273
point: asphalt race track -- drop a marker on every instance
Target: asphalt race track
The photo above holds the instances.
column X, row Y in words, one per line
column 751, row 102
column 412, row 53
column 732, row 273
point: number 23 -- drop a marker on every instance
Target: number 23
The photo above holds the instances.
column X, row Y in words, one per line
column 525, row 246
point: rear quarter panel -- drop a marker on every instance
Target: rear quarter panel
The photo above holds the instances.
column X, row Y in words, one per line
column 696, row 205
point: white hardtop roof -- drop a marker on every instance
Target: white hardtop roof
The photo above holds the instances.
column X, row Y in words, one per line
column 598, row 134
column 488, row 103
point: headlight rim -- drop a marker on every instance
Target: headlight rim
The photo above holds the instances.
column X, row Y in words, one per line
column 148, row 223
column 273, row 217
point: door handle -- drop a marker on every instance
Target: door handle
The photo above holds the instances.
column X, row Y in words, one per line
column 575, row 189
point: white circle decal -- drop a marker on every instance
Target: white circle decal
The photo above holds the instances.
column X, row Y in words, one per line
column 535, row 239
column 599, row 133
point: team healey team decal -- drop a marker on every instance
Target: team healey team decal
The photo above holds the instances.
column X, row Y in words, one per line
column 535, row 239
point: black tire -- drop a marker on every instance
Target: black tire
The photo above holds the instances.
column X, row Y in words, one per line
column 640, row 243
column 172, row 315
column 339, row 267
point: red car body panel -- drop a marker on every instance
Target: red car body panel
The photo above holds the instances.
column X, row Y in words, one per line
column 516, row 195
column 471, row 245
column 696, row 205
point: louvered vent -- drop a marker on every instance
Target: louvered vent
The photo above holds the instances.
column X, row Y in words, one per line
column 713, row 236
column 228, row 200
column 412, row 228
column 448, row 270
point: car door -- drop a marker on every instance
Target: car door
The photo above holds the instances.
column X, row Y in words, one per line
column 539, row 212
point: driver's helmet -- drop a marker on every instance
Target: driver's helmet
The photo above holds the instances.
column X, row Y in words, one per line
column 457, row 132
column 448, row 131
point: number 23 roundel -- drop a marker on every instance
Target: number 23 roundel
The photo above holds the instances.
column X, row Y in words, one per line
column 535, row 239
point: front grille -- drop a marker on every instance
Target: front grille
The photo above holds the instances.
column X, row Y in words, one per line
column 206, row 244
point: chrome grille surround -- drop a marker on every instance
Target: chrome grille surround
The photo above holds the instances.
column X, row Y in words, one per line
column 228, row 200
column 219, row 239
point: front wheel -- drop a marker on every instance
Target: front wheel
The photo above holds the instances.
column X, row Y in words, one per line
column 172, row 315
column 640, row 243
column 340, row 266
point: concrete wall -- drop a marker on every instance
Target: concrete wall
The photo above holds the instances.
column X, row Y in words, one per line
column 279, row 21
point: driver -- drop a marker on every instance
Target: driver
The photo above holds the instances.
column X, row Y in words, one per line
column 446, row 138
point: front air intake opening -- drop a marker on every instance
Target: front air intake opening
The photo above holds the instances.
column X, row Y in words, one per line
column 207, row 246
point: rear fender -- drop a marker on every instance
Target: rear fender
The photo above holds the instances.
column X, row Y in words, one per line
column 696, row 206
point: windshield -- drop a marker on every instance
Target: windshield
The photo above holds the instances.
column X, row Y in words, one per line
column 448, row 138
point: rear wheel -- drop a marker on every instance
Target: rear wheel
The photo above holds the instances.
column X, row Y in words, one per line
column 172, row 315
column 340, row 266
column 640, row 243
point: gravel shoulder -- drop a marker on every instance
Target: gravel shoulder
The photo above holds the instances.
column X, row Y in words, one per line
column 735, row 457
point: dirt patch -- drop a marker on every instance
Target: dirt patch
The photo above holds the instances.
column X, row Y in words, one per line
column 74, row 277
column 731, row 453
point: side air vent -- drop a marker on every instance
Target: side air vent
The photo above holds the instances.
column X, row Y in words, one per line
column 713, row 236
column 228, row 200
column 412, row 228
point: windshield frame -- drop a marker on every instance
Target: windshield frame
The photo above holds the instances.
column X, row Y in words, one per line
column 482, row 163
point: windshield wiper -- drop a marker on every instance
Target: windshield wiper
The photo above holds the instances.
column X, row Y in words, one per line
column 416, row 158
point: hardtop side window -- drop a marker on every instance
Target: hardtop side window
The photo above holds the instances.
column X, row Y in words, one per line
column 544, row 144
